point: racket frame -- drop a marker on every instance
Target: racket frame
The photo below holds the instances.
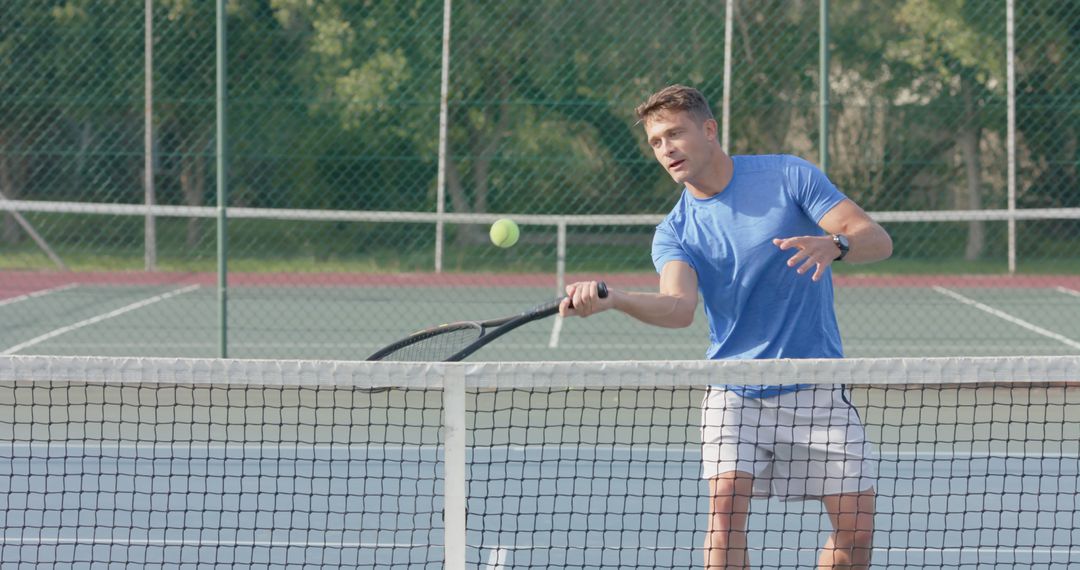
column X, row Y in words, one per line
column 501, row 327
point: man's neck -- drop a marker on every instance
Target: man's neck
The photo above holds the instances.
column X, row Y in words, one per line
column 714, row 179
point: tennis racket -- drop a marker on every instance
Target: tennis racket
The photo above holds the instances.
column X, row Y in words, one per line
column 455, row 341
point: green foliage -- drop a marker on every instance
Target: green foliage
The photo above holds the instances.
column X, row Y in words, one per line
column 335, row 104
column 943, row 35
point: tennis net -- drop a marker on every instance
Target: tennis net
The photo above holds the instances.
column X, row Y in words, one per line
column 172, row 463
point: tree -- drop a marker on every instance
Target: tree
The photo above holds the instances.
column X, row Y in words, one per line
column 921, row 100
column 23, row 85
column 1048, row 113
column 73, row 87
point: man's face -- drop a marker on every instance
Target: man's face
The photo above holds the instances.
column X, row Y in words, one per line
column 682, row 144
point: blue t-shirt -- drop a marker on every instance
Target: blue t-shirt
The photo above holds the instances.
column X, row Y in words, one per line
column 757, row 306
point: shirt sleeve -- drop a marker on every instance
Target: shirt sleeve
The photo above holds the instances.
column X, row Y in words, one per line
column 667, row 247
column 813, row 191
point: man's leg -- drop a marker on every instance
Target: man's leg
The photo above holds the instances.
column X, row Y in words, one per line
column 729, row 509
column 852, row 541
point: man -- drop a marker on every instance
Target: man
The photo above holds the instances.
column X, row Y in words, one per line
column 757, row 235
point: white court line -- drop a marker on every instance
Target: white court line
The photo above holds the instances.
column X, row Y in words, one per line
column 53, row 541
column 198, row 446
column 375, row 345
column 556, row 330
column 497, row 559
column 1014, row 550
column 692, row 450
column 1067, row 291
column 1007, row 317
column 214, row 343
column 13, row 300
column 98, row 319
column 901, row 345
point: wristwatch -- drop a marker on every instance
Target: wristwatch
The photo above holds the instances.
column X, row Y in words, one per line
column 842, row 243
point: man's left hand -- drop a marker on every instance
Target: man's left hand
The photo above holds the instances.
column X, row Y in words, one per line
column 814, row 251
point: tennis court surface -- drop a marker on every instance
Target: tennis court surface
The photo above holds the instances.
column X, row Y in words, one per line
column 349, row 316
column 171, row 463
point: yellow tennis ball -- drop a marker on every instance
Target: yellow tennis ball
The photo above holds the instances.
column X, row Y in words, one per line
column 504, row 232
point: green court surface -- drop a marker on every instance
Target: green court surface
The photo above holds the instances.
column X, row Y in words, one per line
column 345, row 317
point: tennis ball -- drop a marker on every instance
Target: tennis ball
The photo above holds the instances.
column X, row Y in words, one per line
column 504, row 232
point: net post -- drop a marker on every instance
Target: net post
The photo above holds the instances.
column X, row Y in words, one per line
column 454, row 483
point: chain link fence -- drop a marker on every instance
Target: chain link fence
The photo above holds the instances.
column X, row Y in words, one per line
column 337, row 167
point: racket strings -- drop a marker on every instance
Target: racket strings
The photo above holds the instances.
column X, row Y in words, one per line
column 438, row 347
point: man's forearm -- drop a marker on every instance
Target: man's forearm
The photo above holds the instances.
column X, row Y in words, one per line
column 869, row 243
column 658, row 309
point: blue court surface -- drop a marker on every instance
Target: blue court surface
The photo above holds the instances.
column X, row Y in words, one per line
column 537, row 506
column 988, row 479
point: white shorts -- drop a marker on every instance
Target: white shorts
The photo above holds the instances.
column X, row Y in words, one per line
column 803, row 444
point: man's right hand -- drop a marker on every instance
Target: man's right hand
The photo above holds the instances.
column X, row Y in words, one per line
column 583, row 299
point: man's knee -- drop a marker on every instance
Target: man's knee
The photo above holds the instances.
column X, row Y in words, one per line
column 732, row 484
column 730, row 491
column 730, row 501
column 852, row 518
column 852, row 540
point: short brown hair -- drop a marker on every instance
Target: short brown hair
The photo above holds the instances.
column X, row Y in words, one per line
column 675, row 98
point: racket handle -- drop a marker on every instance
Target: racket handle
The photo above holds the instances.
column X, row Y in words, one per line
column 552, row 307
column 601, row 291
